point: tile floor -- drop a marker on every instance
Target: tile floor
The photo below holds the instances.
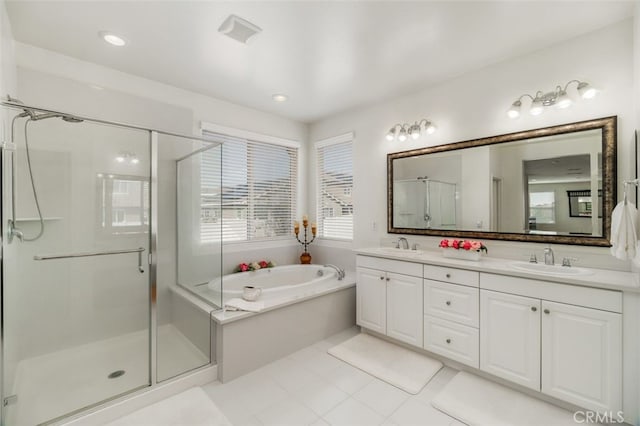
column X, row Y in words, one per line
column 310, row 387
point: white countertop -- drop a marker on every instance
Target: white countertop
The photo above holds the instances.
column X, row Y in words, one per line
column 601, row 278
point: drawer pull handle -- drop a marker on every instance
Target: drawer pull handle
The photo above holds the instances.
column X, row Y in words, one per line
column 388, row 278
column 381, row 278
column 546, row 311
column 448, row 302
column 534, row 309
column 448, row 275
column 448, row 341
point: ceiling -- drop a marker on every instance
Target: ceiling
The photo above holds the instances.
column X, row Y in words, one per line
column 566, row 169
column 326, row 56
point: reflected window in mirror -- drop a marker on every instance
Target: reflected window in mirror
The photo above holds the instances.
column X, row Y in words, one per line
column 542, row 208
column 123, row 203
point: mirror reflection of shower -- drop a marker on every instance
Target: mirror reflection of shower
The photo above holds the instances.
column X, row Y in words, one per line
column 31, row 116
column 425, row 202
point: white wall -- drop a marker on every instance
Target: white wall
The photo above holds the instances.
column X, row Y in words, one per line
column 474, row 105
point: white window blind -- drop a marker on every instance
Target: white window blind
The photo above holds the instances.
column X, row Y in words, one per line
column 258, row 190
column 335, row 187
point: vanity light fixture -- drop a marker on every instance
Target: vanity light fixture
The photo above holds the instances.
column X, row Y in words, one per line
column 403, row 131
column 558, row 97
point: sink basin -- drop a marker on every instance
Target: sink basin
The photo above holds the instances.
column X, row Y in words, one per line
column 397, row 251
column 555, row 270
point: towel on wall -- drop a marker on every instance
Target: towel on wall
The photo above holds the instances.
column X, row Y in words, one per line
column 242, row 305
column 624, row 236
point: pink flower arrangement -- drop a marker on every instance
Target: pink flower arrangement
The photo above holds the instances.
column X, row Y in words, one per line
column 469, row 245
column 254, row 266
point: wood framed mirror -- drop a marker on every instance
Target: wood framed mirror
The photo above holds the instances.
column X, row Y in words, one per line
column 509, row 187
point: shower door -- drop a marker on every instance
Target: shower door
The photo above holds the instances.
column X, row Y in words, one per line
column 76, row 290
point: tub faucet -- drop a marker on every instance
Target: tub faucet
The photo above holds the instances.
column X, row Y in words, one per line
column 339, row 271
column 405, row 243
column 548, row 256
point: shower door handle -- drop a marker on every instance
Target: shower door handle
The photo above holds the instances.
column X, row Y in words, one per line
column 138, row 250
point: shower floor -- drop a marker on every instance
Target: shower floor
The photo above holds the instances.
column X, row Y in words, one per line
column 55, row 384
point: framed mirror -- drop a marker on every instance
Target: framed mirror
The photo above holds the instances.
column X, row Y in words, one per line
column 533, row 186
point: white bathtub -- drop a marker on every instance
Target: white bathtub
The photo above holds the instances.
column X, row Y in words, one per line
column 279, row 284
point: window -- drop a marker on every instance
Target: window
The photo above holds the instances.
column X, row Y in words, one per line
column 124, row 206
column 258, row 190
column 335, row 187
column 541, row 208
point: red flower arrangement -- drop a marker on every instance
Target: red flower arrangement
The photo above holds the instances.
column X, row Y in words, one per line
column 469, row 245
column 254, row 266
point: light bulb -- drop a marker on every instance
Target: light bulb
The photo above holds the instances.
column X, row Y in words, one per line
column 391, row 135
column 514, row 111
column 536, row 107
column 402, row 135
column 120, row 159
column 414, row 131
column 431, row 128
column 135, row 160
column 586, row 91
column 564, row 101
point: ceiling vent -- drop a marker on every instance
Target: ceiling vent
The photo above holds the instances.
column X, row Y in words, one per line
column 239, row 29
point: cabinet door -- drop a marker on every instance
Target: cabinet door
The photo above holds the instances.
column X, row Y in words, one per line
column 582, row 356
column 510, row 337
column 371, row 299
column 404, row 308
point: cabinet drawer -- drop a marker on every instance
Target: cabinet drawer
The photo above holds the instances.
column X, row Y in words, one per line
column 455, row 341
column 397, row 266
column 452, row 302
column 452, row 275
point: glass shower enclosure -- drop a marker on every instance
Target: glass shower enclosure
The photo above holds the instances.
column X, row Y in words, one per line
column 89, row 262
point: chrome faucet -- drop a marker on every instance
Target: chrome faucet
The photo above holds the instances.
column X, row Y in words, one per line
column 339, row 271
column 548, row 256
column 405, row 243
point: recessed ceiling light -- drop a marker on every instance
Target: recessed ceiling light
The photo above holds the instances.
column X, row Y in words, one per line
column 279, row 97
column 112, row 38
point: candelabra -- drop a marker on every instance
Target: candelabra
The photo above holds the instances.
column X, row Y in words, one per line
column 305, row 257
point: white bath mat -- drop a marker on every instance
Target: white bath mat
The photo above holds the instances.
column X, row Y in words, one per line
column 192, row 407
column 391, row 363
column 479, row 402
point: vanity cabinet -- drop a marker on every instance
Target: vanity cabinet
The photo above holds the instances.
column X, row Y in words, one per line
column 371, row 299
column 560, row 339
column 389, row 298
column 510, row 336
column 573, row 353
column 582, row 356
